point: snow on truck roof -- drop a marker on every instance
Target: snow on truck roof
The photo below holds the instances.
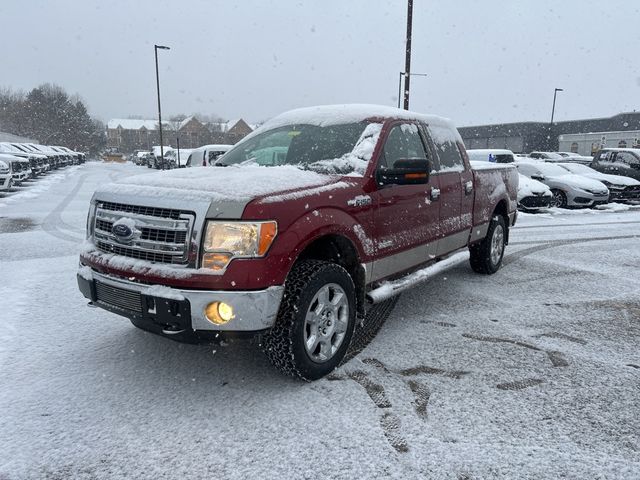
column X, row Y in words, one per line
column 325, row 115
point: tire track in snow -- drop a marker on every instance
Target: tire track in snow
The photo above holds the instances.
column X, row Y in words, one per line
column 520, row 384
column 52, row 222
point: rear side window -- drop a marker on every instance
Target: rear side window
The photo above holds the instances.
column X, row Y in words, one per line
column 445, row 141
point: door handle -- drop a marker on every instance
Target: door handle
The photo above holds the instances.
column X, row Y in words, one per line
column 468, row 187
column 435, row 193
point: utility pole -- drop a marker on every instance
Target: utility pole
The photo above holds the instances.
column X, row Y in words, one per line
column 155, row 49
column 407, row 61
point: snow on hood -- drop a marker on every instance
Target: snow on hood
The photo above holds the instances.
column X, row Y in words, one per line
column 616, row 179
column 233, row 183
column 528, row 187
column 578, row 181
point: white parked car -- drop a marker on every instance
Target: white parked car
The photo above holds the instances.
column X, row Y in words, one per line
column 207, row 155
column 568, row 189
column 621, row 188
column 532, row 195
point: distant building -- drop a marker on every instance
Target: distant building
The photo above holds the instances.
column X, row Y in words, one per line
column 525, row 137
column 590, row 143
column 127, row 135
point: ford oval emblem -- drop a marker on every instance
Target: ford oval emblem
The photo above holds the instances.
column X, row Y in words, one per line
column 122, row 232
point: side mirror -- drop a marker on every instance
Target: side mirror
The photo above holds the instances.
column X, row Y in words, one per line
column 405, row 172
column 540, row 178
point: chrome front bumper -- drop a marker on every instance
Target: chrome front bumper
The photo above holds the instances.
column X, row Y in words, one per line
column 253, row 310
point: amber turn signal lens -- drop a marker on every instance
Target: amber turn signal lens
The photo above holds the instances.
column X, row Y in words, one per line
column 268, row 232
column 216, row 261
column 412, row 176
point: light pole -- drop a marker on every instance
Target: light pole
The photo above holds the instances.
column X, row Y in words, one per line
column 155, row 50
column 400, row 84
column 553, row 111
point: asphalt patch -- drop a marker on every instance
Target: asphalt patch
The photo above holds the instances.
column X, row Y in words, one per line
column 16, row 225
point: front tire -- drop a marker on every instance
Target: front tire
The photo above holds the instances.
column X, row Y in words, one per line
column 559, row 198
column 315, row 323
column 486, row 256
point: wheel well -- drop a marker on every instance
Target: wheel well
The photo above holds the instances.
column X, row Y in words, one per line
column 502, row 210
column 340, row 250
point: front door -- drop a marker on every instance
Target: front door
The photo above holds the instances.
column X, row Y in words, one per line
column 406, row 217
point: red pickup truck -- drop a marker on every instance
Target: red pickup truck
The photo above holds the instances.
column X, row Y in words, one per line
column 300, row 222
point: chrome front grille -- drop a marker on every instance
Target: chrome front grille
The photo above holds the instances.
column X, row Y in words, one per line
column 159, row 235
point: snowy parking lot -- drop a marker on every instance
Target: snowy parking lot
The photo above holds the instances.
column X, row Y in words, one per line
column 533, row 372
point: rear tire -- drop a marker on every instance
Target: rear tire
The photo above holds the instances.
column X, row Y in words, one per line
column 315, row 323
column 486, row 256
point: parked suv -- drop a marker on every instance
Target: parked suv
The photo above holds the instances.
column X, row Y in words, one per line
column 618, row 161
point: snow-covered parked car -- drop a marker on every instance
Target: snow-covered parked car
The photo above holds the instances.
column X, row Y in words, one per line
column 20, row 169
column 547, row 156
column 6, row 178
column 532, row 195
column 570, row 157
column 207, row 155
column 618, row 161
column 621, row 188
column 178, row 158
column 568, row 189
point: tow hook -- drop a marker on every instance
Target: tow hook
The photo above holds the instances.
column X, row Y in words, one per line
column 171, row 330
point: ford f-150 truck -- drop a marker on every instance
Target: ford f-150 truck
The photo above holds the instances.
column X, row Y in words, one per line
column 291, row 249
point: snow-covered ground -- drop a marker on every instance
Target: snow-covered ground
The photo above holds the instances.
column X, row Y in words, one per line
column 533, row 372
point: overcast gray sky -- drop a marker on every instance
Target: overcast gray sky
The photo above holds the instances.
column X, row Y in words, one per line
column 487, row 61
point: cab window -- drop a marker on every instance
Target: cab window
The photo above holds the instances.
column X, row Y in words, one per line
column 403, row 142
column 447, row 148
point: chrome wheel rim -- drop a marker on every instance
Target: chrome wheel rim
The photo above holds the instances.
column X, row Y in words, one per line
column 326, row 323
column 497, row 244
column 557, row 198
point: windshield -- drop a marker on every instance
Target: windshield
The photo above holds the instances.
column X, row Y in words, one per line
column 551, row 170
column 326, row 149
column 577, row 168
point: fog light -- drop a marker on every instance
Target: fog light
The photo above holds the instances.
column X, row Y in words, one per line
column 219, row 313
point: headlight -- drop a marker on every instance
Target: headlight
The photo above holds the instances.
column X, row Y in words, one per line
column 224, row 241
column 616, row 187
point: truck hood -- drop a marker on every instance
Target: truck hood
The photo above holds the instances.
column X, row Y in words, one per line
column 226, row 190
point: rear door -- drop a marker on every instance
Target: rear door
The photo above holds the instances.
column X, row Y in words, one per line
column 406, row 216
column 456, row 189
